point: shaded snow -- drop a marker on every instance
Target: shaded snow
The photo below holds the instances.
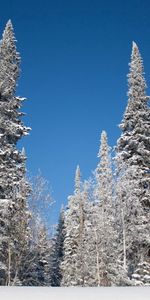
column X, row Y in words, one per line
column 116, row 293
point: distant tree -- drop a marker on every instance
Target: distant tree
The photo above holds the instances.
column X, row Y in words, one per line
column 40, row 204
column 37, row 260
column 58, row 251
column 109, row 270
column 103, row 173
column 91, row 266
column 72, row 265
column 43, row 250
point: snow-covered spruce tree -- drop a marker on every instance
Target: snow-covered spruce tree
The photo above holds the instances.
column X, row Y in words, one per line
column 72, row 266
column 110, row 271
column 14, row 188
column 58, row 252
column 133, row 167
column 103, row 173
column 133, row 147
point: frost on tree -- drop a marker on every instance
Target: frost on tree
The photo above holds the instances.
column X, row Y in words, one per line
column 91, row 237
column 36, row 265
column 133, row 168
column 141, row 275
column 109, row 269
column 132, row 223
column 43, row 250
column 14, row 188
column 103, row 173
column 72, row 265
column 133, row 146
column 58, row 251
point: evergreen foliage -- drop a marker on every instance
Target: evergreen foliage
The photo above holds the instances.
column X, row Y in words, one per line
column 132, row 160
column 103, row 236
column 14, row 188
column 133, row 147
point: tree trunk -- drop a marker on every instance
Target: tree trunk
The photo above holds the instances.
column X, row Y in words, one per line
column 97, row 259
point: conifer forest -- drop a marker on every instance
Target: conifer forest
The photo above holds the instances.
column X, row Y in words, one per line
column 103, row 234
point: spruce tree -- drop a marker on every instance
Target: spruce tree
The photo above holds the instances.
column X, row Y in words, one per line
column 133, row 165
column 14, row 189
column 133, row 147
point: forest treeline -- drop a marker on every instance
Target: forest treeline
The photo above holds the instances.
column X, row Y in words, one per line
column 103, row 235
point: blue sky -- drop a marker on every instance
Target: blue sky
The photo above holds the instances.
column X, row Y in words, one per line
column 75, row 56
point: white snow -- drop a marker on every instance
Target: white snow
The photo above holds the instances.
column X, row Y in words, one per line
column 113, row 293
column 136, row 276
column 147, row 277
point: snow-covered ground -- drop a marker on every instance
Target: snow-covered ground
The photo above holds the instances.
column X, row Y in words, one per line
column 31, row 293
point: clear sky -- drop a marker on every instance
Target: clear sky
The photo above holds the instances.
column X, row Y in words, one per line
column 75, row 56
